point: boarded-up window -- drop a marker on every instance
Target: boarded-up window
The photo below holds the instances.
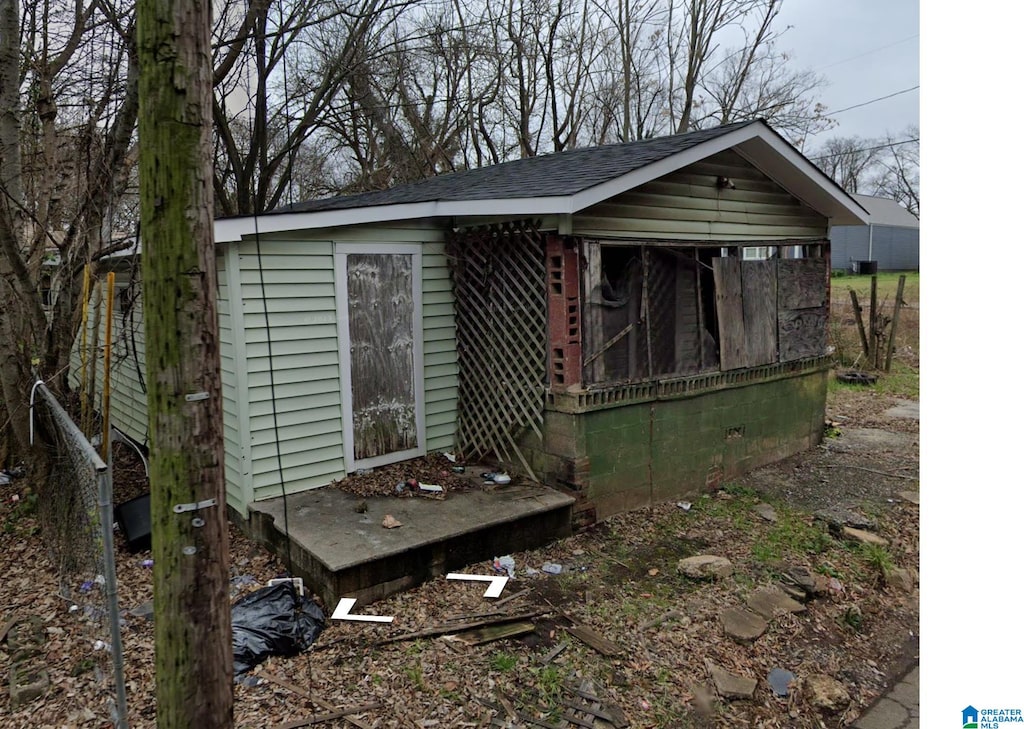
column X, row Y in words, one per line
column 660, row 310
column 380, row 315
column 803, row 308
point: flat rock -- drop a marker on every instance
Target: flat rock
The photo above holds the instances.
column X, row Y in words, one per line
column 900, row 578
column 838, row 517
column 705, row 566
column 743, row 625
column 913, row 497
column 825, row 693
column 766, row 512
column 771, row 601
column 729, row 685
column 865, row 537
column 800, row 576
column 793, row 591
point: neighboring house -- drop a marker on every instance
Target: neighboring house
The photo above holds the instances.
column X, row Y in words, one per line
column 892, row 238
column 590, row 318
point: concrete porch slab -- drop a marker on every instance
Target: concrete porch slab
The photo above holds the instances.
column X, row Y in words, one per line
column 342, row 553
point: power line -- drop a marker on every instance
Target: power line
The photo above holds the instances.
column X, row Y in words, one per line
column 863, row 149
column 868, row 53
column 880, row 98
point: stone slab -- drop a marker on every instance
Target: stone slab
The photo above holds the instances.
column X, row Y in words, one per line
column 729, row 685
column 865, row 537
column 705, row 566
column 771, row 601
column 743, row 625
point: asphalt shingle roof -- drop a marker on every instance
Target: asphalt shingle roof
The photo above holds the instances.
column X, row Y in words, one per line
column 557, row 174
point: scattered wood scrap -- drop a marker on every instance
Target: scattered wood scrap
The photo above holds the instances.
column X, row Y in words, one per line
column 344, row 714
column 492, row 633
column 602, row 645
column 554, row 652
column 670, row 615
column 460, row 627
column 300, row 691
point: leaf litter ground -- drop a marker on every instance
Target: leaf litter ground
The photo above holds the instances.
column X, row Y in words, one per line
column 619, row 582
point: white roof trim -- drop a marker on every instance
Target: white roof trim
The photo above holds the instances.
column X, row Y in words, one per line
column 233, row 229
column 653, row 171
column 756, row 142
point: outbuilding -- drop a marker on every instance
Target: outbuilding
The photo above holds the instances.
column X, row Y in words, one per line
column 891, row 241
column 628, row 323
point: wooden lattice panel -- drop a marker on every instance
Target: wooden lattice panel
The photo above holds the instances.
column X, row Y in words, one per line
column 501, row 330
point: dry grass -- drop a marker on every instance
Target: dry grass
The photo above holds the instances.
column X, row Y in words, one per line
column 903, row 377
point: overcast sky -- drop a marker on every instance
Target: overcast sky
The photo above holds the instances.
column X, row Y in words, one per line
column 867, row 49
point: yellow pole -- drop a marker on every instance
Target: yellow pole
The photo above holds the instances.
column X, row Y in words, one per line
column 82, row 390
column 106, row 367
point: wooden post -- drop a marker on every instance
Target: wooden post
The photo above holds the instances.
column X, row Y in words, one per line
column 895, row 322
column 860, row 323
column 83, row 390
column 192, row 625
column 873, row 324
column 107, row 353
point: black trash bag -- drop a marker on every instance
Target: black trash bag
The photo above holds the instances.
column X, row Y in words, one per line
column 273, row 621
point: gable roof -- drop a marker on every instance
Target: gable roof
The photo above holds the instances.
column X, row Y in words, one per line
column 883, row 211
column 563, row 183
column 558, row 174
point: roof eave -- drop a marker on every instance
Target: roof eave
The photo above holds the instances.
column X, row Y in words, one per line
column 778, row 159
column 234, row 229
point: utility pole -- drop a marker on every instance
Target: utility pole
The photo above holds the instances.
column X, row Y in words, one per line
column 189, row 524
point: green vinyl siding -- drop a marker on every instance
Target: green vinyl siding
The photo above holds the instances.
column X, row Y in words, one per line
column 690, row 205
column 288, row 319
column 235, row 482
column 128, row 411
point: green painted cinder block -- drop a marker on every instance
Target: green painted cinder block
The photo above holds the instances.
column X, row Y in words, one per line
column 664, row 449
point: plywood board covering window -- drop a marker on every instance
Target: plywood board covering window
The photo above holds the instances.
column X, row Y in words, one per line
column 664, row 310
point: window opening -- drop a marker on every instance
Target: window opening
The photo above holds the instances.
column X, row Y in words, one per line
column 656, row 310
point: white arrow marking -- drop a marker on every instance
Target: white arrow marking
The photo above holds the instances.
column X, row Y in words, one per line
column 497, row 582
column 347, row 603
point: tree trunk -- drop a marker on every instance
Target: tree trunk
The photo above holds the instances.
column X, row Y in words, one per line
column 192, row 613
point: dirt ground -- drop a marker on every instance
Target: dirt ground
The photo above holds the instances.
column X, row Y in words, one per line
column 663, row 631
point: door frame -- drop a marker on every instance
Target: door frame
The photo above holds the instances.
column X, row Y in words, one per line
column 341, row 253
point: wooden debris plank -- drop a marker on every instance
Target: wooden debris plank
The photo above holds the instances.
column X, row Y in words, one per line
column 510, row 598
column 554, row 652
column 460, row 627
column 300, row 691
column 609, row 711
column 492, row 633
column 594, row 711
column 344, row 714
column 671, row 614
column 601, row 645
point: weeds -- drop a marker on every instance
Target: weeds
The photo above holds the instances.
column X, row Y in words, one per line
column 878, row 559
column 503, row 662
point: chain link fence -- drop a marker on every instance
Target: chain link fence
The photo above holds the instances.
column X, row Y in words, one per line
column 76, row 512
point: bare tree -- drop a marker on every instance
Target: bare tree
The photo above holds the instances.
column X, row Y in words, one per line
column 69, row 98
column 887, row 167
column 897, row 174
column 847, row 160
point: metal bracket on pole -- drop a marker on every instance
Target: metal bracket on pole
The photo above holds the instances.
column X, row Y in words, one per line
column 182, row 508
